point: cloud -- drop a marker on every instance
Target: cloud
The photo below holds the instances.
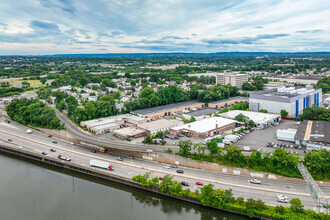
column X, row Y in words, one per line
column 186, row 25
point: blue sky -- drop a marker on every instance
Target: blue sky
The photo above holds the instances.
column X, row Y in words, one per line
column 37, row 27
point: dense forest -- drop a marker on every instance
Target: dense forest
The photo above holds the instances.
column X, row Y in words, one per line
column 33, row 112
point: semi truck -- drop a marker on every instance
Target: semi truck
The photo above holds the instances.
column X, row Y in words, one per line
column 101, row 164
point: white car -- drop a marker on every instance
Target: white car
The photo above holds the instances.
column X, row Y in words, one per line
column 68, row 158
column 167, row 167
column 282, row 197
column 255, row 181
column 282, row 200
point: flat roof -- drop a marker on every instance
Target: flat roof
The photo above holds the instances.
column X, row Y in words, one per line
column 129, row 131
column 257, row 117
column 111, row 119
column 166, row 107
column 233, row 98
column 159, row 124
column 206, row 124
column 103, row 126
column 314, row 131
column 201, row 112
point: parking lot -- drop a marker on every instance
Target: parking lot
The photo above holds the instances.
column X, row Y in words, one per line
column 260, row 138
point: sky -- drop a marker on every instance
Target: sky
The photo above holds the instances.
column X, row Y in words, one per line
column 40, row 27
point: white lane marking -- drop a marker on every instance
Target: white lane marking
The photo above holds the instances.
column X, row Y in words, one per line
column 161, row 171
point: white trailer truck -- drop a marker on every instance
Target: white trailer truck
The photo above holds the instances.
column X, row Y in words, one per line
column 101, row 164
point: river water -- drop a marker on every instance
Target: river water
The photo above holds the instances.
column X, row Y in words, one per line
column 34, row 191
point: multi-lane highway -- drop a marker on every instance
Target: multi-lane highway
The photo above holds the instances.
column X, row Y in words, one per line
column 267, row 191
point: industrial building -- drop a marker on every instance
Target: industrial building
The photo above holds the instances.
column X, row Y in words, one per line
column 108, row 124
column 207, row 127
column 292, row 99
column 200, row 114
column 228, row 102
column 167, row 110
column 164, row 125
column 130, row 132
column 261, row 120
column 233, row 78
column 313, row 134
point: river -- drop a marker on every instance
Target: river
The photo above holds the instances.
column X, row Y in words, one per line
column 34, row 191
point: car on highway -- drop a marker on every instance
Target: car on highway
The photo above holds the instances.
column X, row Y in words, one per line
column 174, row 166
column 179, row 171
column 282, row 198
column 130, row 157
column 54, row 142
column 44, row 153
column 199, row 183
column 93, row 151
column 68, row 158
column 255, row 181
column 20, row 147
column 167, row 167
column 52, row 150
column 49, row 136
column 119, row 158
column 184, row 183
column 9, row 139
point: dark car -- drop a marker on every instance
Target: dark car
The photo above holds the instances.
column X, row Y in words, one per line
column 49, row 136
column 52, row 150
column 184, row 183
column 167, row 136
column 54, row 142
column 174, row 166
column 9, row 139
column 93, row 151
column 179, row 171
column 119, row 158
column 188, row 135
column 130, row 157
column 44, row 153
column 128, row 139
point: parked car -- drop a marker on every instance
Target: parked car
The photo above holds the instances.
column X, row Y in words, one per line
column 167, row 167
column 119, row 158
column 44, row 153
column 321, row 205
column 167, row 136
column 199, row 183
column 184, row 183
column 188, row 135
column 128, row 139
column 52, row 150
column 174, row 166
column 179, row 171
column 255, row 181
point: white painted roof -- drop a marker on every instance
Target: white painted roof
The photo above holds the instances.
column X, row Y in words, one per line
column 257, row 117
column 206, row 124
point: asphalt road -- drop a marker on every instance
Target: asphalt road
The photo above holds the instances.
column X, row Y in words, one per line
column 268, row 190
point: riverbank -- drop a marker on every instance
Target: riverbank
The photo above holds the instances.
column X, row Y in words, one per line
column 95, row 173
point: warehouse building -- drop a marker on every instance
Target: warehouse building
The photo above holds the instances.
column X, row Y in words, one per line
column 292, row 99
column 130, row 132
column 200, row 114
column 228, row 102
column 261, row 120
column 205, row 128
column 167, row 110
column 153, row 127
column 108, row 124
column 314, row 135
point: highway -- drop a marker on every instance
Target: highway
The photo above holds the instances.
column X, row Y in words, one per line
column 267, row 191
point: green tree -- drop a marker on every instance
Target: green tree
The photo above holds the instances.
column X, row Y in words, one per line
column 212, row 146
column 284, row 113
column 263, row 111
column 251, row 123
column 207, row 196
column 296, row 205
column 185, row 147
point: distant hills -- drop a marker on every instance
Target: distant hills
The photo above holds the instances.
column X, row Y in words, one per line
column 293, row 54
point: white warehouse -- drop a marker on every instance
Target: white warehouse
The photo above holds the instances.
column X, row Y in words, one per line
column 292, row 99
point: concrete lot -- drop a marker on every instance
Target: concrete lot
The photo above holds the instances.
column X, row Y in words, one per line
column 260, row 138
